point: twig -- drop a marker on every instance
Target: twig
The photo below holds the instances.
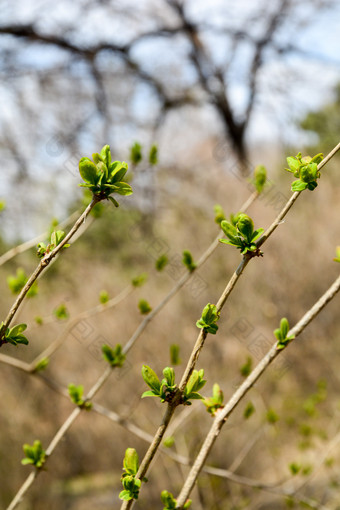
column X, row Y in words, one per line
column 45, row 261
column 244, row 388
column 16, row 250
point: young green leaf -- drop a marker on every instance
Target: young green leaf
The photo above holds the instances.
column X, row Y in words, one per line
column 161, row 262
column 144, row 307
column 34, row 454
column 188, row 261
column 260, row 178
column 115, row 357
column 153, row 155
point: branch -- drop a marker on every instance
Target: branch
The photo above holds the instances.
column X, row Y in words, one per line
column 16, row 250
column 45, row 261
column 244, row 388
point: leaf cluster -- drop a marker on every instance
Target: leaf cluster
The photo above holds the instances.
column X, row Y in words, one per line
column 115, row 356
column 164, row 389
column 34, row 454
column 131, row 485
column 242, row 235
column 306, row 169
column 161, row 262
column 195, row 383
column 208, row 320
column 104, row 177
column 188, row 261
column 61, row 312
column 260, row 178
column 215, row 402
column 281, row 334
column 171, row 503
column 76, row 393
column 56, row 237
column 144, row 307
column 14, row 335
column 337, row 258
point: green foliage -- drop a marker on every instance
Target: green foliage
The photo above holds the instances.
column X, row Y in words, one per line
column 115, row 357
column 103, row 297
column 14, row 335
column 260, row 178
column 188, row 261
column 2, row 205
column 174, row 354
column 219, row 214
column 271, row 416
column 76, row 394
column 306, row 169
column 164, row 389
column 61, row 312
column 41, row 365
column 136, row 153
column 281, row 334
column 309, row 405
column 161, row 262
column 39, row 320
column 195, row 383
column 56, row 237
column 247, row 367
column 144, row 307
column 249, row 410
column 171, row 503
column 294, row 468
column 169, row 442
column 138, row 281
column 16, row 283
column 210, row 316
column 104, row 177
column 337, row 258
column 34, row 454
column 153, row 155
column 131, row 486
column 242, row 235
column 214, row 403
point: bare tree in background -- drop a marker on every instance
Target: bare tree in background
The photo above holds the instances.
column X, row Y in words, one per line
column 76, row 75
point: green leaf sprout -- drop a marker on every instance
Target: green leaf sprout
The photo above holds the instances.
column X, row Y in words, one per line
column 170, row 503
column 188, row 261
column 34, row 454
column 144, row 307
column 306, row 169
column 214, row 403
column 242, row 235
column 210, row 316
column 281, row 334
column 115, row 357
column 104, row 177
column 76, row 394
column 161, row 262
column 14, row 335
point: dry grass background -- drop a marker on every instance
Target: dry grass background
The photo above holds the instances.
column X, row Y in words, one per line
column 297, row 267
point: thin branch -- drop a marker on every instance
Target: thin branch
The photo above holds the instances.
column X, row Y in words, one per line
column 16, row 250
column 244, row 388
column 45, row 261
